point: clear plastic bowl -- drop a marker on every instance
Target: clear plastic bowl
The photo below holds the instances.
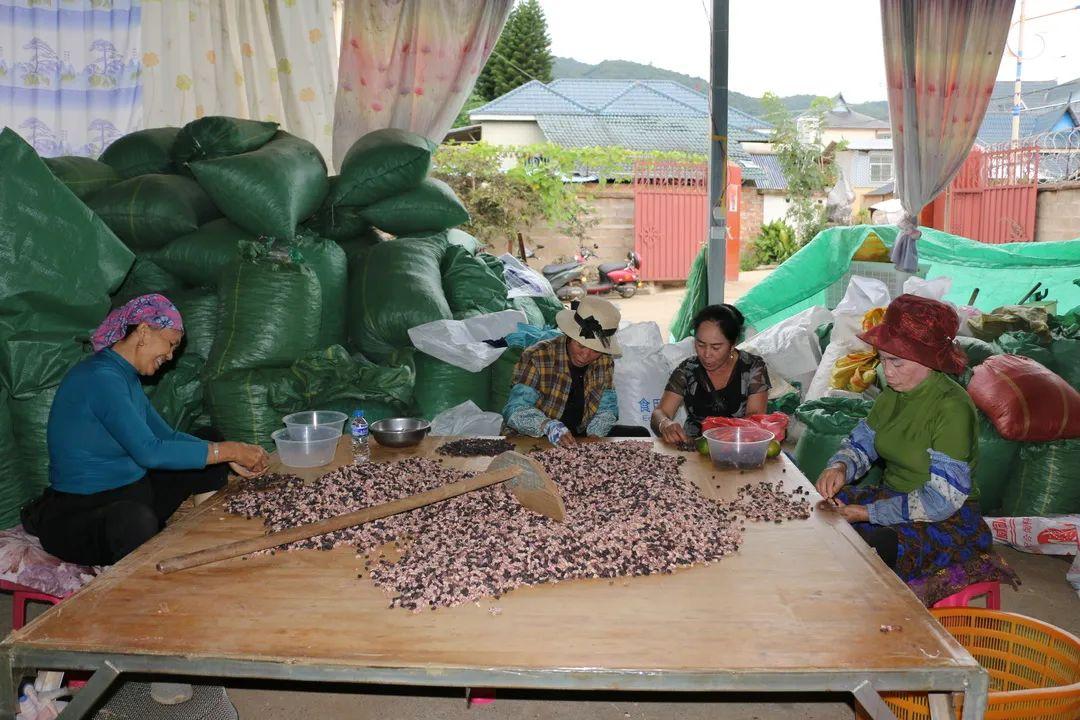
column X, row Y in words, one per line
column 743, row 448
column 320, row 418
column 306, row 446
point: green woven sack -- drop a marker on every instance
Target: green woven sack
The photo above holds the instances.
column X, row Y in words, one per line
column 455, row 236
column 331, row 379
column 393, row 286
column 696, row 297
column 58, row 264
column 148, row 211
column 330, row 264
column 828, row 422
column 977, row 350
column 549, row 307
column 142, row 152
column 177, row 392
column 470, row 286
column 271, row 306
column 440, row 386
column 29, row 421
column 12, row 497
column 1065, row 347
column 217, row 136
column 502, row 378
column 239, row 405
column 430, row 207
column 199, row 257
column 270, row 190
column 381, row 164
column 199, row 309
column 146, row 277
column 1028, row 345
column 354, row 247
column 528, row 305
column 995, row 468
column 1047, row 480
column 83, row 176
column 337, row 222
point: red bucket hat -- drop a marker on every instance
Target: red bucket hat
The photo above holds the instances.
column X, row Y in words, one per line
column 921, row 330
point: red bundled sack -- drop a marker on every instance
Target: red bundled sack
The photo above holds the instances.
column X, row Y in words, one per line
column 776, row 423
column 1024, row 400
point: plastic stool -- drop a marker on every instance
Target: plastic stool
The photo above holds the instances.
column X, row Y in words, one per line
column 992, row 591
column 479, row 696
column 21, row 594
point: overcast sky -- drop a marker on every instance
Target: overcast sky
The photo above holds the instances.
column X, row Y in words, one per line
column 786, row 46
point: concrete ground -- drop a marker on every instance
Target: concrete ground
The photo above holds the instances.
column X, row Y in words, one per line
column 1044, row 595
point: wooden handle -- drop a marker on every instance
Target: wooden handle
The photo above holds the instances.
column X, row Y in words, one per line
column 358, row 517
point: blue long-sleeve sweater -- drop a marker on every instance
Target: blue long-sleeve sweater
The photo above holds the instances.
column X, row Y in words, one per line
column 103, row 433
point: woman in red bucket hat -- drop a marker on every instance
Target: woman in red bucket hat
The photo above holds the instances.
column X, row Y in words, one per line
column 924, row 518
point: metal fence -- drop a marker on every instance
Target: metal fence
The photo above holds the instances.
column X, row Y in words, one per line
column 1059, row 156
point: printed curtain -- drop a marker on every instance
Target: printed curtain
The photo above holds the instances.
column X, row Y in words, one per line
column 273, row 60
column 69, row 73
column 941, row 58
column 410, row 65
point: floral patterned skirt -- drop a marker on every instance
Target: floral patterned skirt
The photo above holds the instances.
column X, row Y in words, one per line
column 938, row 559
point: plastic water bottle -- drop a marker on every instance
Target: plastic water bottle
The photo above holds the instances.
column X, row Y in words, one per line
column 358, row 428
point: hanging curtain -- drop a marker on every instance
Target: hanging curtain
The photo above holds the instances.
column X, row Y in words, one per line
column 411, row 65
column 941, row 58
column 272, row 60
column 69, row 74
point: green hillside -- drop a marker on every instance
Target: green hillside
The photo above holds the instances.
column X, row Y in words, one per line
column 627, row 70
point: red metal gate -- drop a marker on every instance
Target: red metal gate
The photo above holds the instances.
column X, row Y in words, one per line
column 671, row 206
column 992, row 199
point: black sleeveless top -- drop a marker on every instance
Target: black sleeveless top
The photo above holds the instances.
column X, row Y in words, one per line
column 702, row 400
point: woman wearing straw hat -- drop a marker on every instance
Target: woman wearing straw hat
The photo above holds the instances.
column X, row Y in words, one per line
column 924, row 518
column 564, row 388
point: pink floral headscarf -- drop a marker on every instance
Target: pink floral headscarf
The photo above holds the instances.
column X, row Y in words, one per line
column 155, row 310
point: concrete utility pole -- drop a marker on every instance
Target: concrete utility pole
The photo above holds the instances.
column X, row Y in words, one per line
column 718, row 151
column 1018, row 100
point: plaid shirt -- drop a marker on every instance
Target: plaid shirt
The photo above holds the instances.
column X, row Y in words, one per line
column 545, row 367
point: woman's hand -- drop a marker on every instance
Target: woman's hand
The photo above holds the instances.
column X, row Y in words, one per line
column 243, row 471
column 568, row 440
column 831, row 480
column 672, row 432
column 853, row 513
column 251, row 457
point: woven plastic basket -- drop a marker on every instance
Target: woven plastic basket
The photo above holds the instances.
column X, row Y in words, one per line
column 1034, row 666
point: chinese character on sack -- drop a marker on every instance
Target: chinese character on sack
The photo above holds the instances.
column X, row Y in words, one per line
column 644, row 405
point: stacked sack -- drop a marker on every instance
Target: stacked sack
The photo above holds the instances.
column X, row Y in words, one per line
column 429, row 271
column 60, row 263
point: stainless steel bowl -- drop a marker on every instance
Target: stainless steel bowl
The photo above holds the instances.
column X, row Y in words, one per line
column 399, row 432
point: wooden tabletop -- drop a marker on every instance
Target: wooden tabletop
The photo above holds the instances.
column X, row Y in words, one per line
column 799, row 596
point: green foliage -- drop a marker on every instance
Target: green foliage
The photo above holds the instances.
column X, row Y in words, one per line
column 523, row 53
column 807, row 165
column 775, row 244
column 533, row 187
column 862, row 217
column 475, row 100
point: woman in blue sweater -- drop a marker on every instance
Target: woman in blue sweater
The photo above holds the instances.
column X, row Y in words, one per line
column 117, row 471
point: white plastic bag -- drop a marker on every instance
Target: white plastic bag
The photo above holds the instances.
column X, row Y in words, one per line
column 935, row 289
column 467, row 419
column 675, row 353
column 791, row 347
column 641, row 372
column 863, row 295
column 1054, row 535
column 522, row 280
column 461, row 342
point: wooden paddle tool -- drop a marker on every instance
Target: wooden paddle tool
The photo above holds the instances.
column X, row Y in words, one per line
column 524, row 476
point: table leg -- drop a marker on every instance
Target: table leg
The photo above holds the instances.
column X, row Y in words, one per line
column 84, row 701
column 871, row 702
column 10, row 679
column 975, row 696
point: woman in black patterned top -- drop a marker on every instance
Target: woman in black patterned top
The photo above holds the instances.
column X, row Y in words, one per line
column 718, row 380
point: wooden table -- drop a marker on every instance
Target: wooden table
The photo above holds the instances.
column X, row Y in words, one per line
column 798, row 608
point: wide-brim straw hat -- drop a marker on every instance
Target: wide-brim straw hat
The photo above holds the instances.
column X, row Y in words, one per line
column 921, row 330
column 593, row 323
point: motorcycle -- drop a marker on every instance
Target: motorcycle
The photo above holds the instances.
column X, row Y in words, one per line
column 567, row 279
